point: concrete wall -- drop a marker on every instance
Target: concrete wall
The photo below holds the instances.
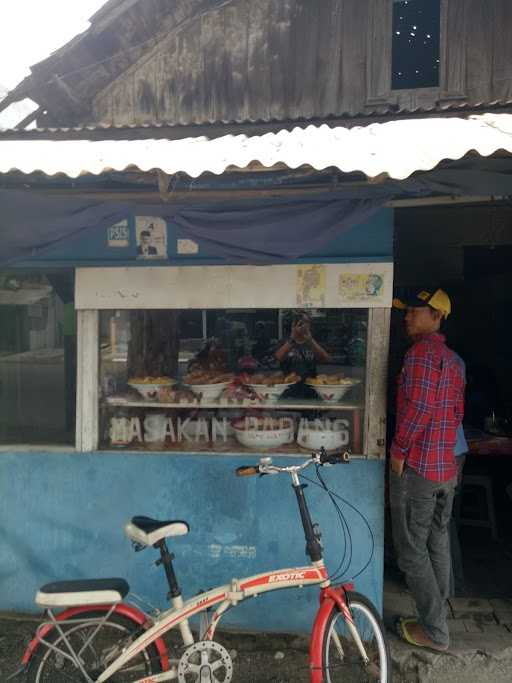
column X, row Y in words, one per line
column 62, row 515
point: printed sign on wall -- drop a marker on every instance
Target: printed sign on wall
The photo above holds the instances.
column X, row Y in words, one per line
column 184, row 246
column 151, row 237
column 360, row 287
column 118, row 235
column 311, row 286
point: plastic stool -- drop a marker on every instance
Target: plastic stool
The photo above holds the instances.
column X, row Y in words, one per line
column 487, row 516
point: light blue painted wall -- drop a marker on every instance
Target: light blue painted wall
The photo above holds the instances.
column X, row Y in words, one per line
column 62, row 515
column 371, row 240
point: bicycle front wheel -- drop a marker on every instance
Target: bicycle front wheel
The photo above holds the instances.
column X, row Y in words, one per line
column 96, row 649
column 341, row 656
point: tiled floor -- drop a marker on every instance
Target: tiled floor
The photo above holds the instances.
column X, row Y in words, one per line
column 481, row 640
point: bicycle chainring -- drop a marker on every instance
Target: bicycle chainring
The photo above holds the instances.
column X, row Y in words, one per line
column 205, row 662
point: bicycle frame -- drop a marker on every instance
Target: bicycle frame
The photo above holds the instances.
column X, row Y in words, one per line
column 225, row 597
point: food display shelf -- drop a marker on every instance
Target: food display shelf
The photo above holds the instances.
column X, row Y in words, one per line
column 212, row 405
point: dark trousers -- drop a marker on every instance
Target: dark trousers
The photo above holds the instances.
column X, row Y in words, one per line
column 457, row 586
column 420, row 514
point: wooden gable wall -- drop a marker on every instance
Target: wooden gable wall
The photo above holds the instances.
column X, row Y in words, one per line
column 289, row 59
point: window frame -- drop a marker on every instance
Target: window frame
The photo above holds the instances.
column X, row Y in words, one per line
column 87, row 387
column 121, row 290
column 49, row 443
column 373, row 426
column 452, row 59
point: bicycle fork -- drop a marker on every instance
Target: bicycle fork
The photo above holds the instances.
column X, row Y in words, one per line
column 344, row 609
column 332, row 598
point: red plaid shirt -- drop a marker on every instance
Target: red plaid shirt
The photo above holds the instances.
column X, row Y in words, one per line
column 430, row 405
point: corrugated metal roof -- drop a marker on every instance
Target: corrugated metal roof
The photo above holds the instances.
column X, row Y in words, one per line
column 213, row 126
column 16, row 112
column 394, row 148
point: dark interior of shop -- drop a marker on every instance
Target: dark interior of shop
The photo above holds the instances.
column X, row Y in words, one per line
column 467, row 251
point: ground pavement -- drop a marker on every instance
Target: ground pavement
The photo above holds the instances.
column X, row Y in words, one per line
column 481, row 641
column 481, row 649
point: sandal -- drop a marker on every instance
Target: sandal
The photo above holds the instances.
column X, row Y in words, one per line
column 404, row 632
column 396, row 621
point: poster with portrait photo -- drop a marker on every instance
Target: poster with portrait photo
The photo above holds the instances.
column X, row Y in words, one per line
column 151, row 237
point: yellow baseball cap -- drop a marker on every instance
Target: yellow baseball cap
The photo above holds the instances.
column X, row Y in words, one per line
column 439, row 300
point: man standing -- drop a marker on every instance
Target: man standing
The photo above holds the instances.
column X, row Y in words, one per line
column 423, row 473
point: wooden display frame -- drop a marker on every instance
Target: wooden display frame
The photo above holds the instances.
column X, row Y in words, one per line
column 373, row 426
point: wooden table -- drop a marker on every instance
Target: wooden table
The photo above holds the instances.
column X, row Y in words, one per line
column 490, row 445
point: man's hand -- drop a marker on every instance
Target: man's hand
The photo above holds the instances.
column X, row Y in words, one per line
column 397, row 466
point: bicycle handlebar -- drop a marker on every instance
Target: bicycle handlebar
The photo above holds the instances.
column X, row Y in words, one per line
column 247, row 470
column 321, row 457
column 338, row 458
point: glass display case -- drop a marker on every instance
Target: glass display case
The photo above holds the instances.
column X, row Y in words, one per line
column 232, row 380
column 233, row 358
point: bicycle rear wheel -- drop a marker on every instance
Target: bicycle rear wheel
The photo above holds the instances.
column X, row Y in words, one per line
column 341, row 657
column 50, row 666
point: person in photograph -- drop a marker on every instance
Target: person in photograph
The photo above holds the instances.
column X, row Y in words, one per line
column 300, row 354
column 146, row 248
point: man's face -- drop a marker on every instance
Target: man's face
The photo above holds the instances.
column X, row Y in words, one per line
column 145, row 239
column 422, row 320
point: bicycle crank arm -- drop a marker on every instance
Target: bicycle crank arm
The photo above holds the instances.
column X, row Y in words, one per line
column 171, row 675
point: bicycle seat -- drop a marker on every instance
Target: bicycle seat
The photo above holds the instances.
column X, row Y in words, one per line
column 149, row 531
column 83, row 592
